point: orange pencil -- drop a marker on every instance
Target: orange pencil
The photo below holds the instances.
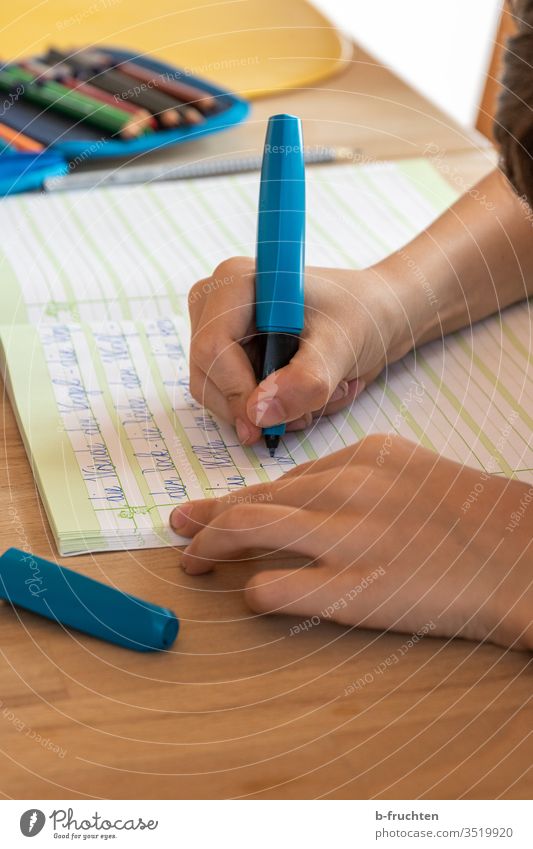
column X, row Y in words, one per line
column 18, row 140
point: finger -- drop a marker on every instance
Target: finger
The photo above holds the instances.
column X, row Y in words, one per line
column 225, row 363
column 209, row 396
column 300, row 424
column 337, row 459
column 305, row 591
column 364, row 597
column 227, row 318
column 196, row 299
column 206, row 393
column 309, row 484
column 360, row 453
column 336, row 403
column 305, row 384
column 370, row 376
column 241, row 529
column 190, row 518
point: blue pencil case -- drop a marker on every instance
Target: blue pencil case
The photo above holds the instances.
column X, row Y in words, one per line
column 21, row 171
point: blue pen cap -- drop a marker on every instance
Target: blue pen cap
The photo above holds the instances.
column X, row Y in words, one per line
column 279, row 287
column 66, row 597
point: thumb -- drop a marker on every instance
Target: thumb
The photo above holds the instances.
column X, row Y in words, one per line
column 304, row 385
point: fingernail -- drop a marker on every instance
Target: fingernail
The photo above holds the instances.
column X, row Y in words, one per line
column 180, row 516
column 268, row 412
column 340, row 392
column 357, row 386
column 243, row 431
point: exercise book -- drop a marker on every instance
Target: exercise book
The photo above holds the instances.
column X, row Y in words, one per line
column 95, row 335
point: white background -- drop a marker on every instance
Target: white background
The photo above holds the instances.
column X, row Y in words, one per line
column 441, row 47
column 270, row 824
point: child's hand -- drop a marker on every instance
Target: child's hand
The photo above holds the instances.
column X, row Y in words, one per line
column 402, row 539
column 354, row 324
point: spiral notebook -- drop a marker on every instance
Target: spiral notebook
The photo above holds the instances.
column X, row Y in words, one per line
column 95, row 337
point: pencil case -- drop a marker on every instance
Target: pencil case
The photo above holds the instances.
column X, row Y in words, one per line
column 22, row 171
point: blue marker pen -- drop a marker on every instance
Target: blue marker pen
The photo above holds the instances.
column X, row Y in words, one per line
column 72, row 599
column 279, row 286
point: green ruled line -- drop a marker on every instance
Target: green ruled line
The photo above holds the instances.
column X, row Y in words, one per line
column 48, row 446
column 29, row 245
column 256, row 464
column 165, row 277
column 45, row 247
column 354, row 424
column 490, row 400
column 153, row 197
column 315, row 222
column 465, row 415
column 495, row 381
column 310, row 452
column 412, row 373
column 427, row 180
column 330, row 239
column 14, row 309
column 340, row 203
column 133, row 463
column 407, row 416
column 228, row 232
column 397, row 213
column 396, row 210
column 85, row 236
column 173, row 417
column 515, row 341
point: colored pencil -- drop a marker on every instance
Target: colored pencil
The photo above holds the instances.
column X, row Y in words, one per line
column 105, row 97
column 186, row 99
column 47, row 72
column 202, row 100
column 168, row 110
column 96, row 61
column 71, row 102
column 18, row 140
column 48, row 127
column 163, row 107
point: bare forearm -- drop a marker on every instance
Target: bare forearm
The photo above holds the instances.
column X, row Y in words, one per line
column 474, row 260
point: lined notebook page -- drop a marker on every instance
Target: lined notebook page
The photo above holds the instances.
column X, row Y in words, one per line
column 96, row 336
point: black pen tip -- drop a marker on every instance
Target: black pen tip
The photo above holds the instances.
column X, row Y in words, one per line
column 271, row 442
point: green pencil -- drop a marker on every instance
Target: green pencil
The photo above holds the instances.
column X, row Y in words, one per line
column 71, row 102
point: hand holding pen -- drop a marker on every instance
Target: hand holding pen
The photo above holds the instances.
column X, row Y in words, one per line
column 342, row 348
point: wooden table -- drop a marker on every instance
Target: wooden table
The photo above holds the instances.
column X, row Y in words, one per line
column 240, row 708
